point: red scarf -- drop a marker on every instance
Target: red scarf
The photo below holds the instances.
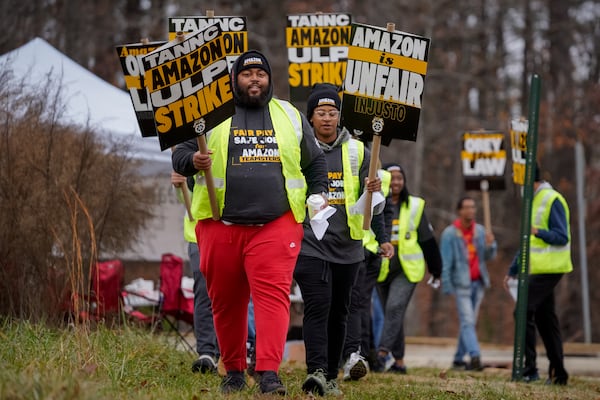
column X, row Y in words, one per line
column 468, row 234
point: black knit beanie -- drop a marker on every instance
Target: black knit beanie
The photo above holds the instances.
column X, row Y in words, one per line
column 323, row 94
column 251, row 59
column 397, row 167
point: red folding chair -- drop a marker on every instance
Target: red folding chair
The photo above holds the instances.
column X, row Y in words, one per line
column 140, row 295
column 104, row 299
column 175, row 307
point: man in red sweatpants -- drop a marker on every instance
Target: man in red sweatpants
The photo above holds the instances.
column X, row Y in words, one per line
column 265, row 162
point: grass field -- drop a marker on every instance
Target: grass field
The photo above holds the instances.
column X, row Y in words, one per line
column 37, row 362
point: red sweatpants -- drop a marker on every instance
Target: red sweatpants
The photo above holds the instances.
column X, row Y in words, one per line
column 239, row 260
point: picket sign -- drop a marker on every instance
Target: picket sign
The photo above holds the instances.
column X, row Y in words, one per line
column 373, row 164
column 184, row 192
column 210, row 183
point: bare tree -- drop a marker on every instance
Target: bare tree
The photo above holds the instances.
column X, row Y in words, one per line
column 64, row 196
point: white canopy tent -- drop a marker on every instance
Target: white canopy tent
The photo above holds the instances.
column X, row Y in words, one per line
column 90, row 100
column 87, row 98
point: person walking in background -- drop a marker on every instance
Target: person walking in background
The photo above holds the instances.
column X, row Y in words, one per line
column 416, row 247
column 465, row 248
column 359, row 337
column 549, row 260
column 261, row 194
column 326, row 269
column 204, row 330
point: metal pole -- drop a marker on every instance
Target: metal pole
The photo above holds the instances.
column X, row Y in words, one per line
column 585, row 294
column 523, row 278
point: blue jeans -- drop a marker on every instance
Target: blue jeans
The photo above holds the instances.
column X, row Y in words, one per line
column 251, row 325
column 468, row 301
column 377, row 317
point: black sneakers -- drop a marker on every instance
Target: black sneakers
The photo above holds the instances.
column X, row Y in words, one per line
column 233, row 382
column 270, row 383
column 459, row 365
column 397, row 369
column 475, row 364
column 531, row 378
column 251, row 361
column 315, row 383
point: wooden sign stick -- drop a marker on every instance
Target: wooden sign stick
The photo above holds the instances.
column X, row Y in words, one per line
column 210, row 184
column 372, row 175
column 485, row 196
column 373, row 164
column 186, row 195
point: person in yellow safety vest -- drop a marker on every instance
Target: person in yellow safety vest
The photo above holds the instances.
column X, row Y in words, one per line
column 326, row 268
column 264, row 162
column 549, row 260
column 357, row 346
column 416, row 247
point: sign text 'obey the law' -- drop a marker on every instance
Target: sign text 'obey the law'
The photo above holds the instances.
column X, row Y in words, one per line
column 483, row 157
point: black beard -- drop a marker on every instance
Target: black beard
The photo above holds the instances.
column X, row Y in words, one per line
column 254, row 101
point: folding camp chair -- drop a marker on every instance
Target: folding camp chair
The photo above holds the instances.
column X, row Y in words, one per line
column 105, row 301
column 140, row 295
column 104, row 298
column 175, row 306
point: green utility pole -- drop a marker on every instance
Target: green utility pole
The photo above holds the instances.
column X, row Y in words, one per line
column 523, row 262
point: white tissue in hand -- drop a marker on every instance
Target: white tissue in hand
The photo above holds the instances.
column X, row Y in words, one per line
column 434, row 283
column 319, row 223
column 359, row 206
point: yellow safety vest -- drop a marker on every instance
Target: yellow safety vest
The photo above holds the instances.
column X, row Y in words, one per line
column 287, row 124
column 408, row 249
column 353, row 152
column 545, row 258
column 189, row 227
column 369, row 240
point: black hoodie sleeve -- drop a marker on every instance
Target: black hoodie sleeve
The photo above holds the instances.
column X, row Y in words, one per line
column 313, row 161
column 431, row 250
column 379, row 228
column 182, row 157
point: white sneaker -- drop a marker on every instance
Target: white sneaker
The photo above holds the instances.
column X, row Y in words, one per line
column 356, row 367
column 205, row 364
